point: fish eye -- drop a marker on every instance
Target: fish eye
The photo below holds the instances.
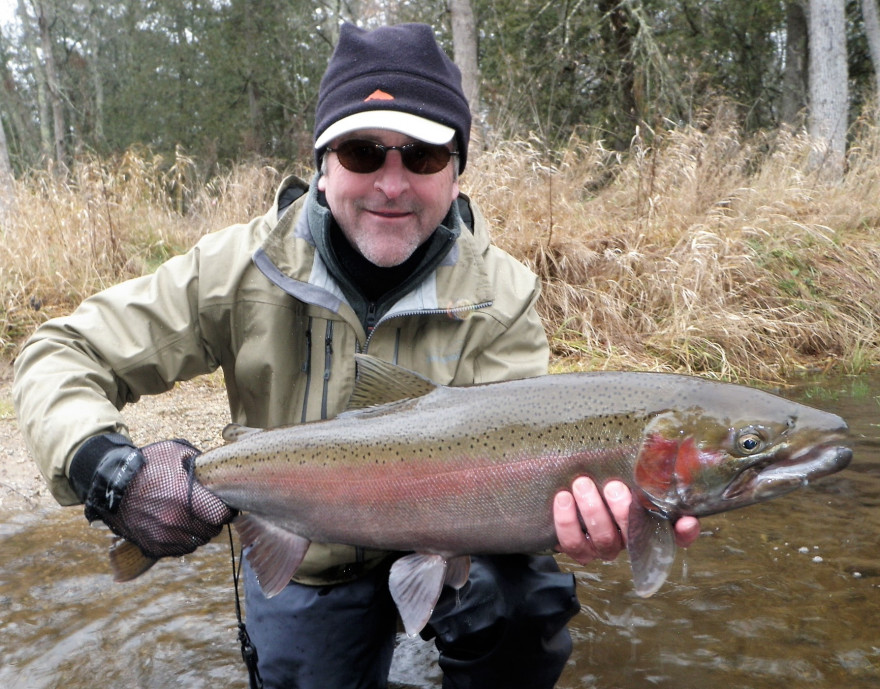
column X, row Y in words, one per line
column 749, row 442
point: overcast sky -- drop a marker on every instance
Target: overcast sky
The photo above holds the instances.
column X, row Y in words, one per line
column 7, row 11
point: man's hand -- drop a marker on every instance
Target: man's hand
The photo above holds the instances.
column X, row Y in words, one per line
column 606, row 521
column 149, row 496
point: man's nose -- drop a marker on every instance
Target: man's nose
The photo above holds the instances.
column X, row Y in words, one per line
column 392, row 178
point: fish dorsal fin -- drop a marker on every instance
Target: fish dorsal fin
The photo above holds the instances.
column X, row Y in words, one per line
column 275, row 553
column 651, row 545
column 379, row 382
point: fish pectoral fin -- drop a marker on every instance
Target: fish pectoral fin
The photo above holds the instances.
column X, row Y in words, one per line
column 651, row 546
column 275, row 553
column 128, row 561
column 415, row 582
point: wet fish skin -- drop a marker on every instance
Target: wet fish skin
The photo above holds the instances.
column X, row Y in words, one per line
column 449, row 472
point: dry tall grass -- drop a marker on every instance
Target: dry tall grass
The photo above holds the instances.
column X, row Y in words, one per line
column 702, row 251
column 697, row 250
column 64, row 238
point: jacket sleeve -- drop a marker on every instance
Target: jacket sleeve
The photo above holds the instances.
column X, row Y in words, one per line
column 520, row 349
column 75, row 373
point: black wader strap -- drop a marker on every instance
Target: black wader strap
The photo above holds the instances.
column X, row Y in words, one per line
column 248, row 650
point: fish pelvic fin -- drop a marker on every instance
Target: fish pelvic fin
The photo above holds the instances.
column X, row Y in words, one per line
column 416, row 582
column 274, row 553
column 651, row 545
column 458, row 569
column 128, row 561
column 379, row 382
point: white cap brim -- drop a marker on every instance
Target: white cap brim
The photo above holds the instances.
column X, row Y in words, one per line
column 402, row 122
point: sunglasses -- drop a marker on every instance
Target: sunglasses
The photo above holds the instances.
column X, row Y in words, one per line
column 361, row 156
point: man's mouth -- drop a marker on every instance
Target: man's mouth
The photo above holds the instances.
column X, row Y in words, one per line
column 389, row 213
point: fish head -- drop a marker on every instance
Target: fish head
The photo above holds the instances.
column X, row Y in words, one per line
column 735, row 450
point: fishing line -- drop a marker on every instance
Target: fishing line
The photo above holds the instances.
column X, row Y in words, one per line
column 248, row 650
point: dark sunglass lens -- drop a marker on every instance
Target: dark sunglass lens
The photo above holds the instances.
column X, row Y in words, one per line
column 365, row 157
column 425, row 159
column 360, row 156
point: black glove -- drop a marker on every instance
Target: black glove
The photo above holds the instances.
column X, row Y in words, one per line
column 148, row 495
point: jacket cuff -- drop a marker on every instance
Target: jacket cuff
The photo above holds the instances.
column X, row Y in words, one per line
column 84, row 464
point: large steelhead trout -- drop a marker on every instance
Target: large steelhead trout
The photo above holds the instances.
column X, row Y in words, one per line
column 443, row 472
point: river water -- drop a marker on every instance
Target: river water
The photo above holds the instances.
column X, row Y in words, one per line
column 781, row 594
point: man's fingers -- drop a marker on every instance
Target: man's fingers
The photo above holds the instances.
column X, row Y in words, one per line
column 687, row 530
column 605, row 520
column 569, row 532
column 619, row 498
column 600, row 522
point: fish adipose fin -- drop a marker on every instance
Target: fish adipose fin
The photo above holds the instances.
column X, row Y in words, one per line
column 651, row 546
column 233, row 432
column 275, row 553
column 416, row 582
column 379, row 382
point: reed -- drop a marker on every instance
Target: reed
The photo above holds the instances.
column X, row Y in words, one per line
column 699, row 249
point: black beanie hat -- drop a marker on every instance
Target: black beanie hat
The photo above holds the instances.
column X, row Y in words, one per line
column 392, row 69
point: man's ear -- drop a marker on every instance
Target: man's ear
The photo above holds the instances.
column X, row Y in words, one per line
column 322, row 183
column 454, row 190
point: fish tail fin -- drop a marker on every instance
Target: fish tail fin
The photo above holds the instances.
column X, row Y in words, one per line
column 128, row 561
column 651, row 545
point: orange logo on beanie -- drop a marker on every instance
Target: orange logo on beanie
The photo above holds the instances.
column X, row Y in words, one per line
column 378, row 94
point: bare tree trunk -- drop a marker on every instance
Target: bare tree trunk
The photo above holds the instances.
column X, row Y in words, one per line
column 95, row 72
column 795, row 75
column 829, row 92
column 6, row 178
column 53, row 83
column 40, row 79
column 872, row 33
column 617, row 32
column 254, row 139
column 464, row 40
column 19, row 118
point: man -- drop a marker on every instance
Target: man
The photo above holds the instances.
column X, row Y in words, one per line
column 379, row 254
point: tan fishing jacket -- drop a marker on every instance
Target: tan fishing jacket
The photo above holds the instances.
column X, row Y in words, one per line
column 257, row 301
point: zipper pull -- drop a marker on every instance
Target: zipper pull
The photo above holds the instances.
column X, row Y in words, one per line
column 308, row 357
column 370, row 323
column 328, row 350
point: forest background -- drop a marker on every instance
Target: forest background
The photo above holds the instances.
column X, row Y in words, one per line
column 697, row 182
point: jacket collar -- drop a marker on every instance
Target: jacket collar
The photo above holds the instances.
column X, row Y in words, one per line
column 289, row 258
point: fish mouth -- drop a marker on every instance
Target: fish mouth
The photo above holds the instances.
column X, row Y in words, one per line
column 774, row 477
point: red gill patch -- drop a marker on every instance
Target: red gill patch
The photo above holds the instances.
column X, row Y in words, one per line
column 688, row 463
column 656, row 467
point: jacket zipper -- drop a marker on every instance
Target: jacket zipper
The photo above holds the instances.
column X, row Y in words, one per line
column 307, row 369
column 371, row 317
column 328, row 362
column 452, row 312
